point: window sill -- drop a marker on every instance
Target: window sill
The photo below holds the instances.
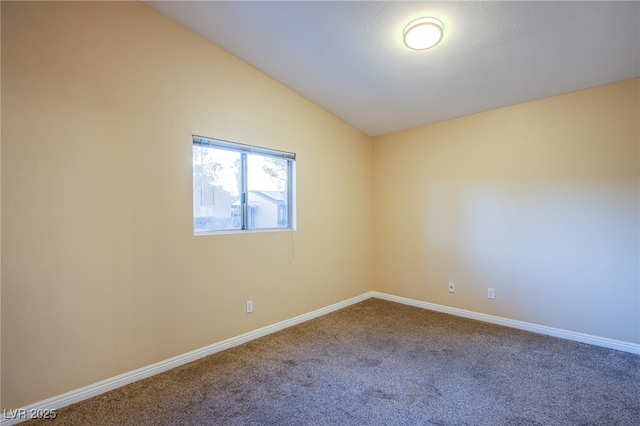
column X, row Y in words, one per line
column 241, row 231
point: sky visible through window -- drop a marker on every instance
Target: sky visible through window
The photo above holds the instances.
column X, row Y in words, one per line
column 263, row 173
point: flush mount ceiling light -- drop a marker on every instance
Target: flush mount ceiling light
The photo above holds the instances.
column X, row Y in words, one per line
column 423, row 33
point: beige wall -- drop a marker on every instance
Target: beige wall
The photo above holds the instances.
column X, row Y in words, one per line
column 539, row 201
column 100, row 271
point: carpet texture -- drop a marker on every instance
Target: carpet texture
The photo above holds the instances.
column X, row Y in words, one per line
column 383, row 363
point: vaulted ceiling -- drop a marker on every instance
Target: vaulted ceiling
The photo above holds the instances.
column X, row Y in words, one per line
column 349, row 58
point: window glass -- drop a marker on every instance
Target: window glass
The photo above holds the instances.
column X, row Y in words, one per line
column 267, row 191
column 239, row 187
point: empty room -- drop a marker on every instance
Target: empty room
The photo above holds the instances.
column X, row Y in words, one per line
column 304, row 212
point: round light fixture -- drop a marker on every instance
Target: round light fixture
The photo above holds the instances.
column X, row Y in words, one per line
column 423, row 33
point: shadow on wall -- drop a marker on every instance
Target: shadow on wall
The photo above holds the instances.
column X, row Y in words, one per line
column 533, row 243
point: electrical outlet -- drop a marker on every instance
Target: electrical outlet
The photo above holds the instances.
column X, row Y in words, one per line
column 452, row 287
column 249, row 306
column 491, row 293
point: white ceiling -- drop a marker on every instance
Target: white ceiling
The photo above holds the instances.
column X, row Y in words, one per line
column 348, row 56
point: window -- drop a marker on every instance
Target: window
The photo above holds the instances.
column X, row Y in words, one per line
column 240, row 187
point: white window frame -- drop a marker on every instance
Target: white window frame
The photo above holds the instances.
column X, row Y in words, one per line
column 244, row 150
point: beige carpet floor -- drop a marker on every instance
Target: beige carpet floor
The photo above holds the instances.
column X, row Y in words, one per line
column 382, row 363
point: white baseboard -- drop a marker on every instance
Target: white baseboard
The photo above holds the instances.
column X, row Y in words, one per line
column 633, row 348
column 20, row 415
